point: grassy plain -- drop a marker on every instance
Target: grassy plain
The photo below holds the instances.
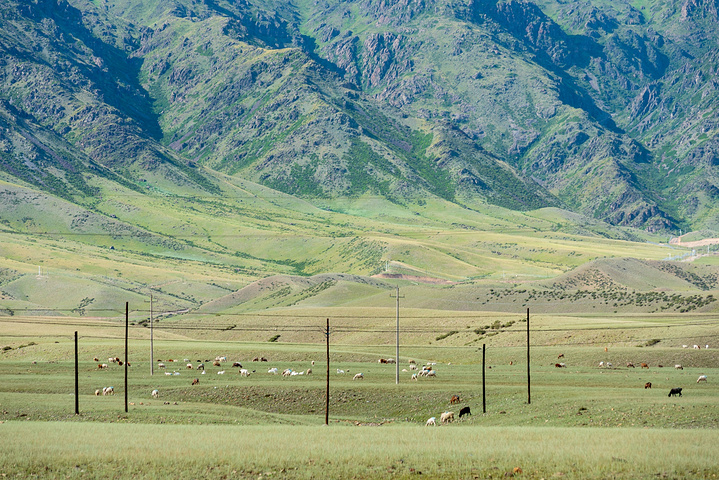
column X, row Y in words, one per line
column 584, row 421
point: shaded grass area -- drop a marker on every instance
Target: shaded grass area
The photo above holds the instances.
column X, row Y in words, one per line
column 91, row 451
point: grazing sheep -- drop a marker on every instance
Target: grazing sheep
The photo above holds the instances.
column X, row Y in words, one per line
column 263, row 359
column 674, row 392
column 559, row 365
column 644, row 365
column 189, row 366
column 237, row 364
column 201, row 367
column 412, row 361
column 256, row 359
column 340, row 371
column 678, row 367
column 382, row 360
column 221, row 372
column 648, row 385
column 309, row 371
column 358, row 376
column 414, row 376
column 454, row 399
column 702, row 378
column 108, row 391
column 195, row 381
column 561, row 355
column 216, row 363
column 696, row 347
column 685, row 346
column 95, row 359
column 464, row 411
column 431, row 422
column 601, row 364
column 391, row 360
column 155, row 394
column 630, row 365
column 287, row 372
column 244, row 372
column 162, row 365
column 273, row 371
column 430, row 373
column 413, row 366
column 97, row 392
column 102, row 366
column 446, row 417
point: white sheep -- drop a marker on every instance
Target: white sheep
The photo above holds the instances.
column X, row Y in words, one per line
column 160, row 365
column 221, row 372
column 358, row 376
column 340, row 371
column 414, row 376
column 244, row 372
column 446, row 417
column 702, row 378
column 155, row 394
column 273, row 371
column 678, row 367
column 108, row 391
column 431, row 422
column 287, row 372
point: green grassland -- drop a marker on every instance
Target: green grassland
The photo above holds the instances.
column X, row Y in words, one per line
column 581, row 421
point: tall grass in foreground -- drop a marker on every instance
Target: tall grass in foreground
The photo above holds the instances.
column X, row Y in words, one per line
column 50, row 450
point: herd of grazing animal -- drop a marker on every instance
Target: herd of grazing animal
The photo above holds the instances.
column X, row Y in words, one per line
column 427, row 370
column 672, row 393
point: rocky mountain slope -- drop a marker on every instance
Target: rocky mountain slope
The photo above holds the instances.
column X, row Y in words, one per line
column 604, row 108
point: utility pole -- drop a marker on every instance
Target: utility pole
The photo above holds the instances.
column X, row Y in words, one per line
column 396, row 378
column 484, row 396
column 127, row 332
column 152, row 348
column 529, row 396
column 77, row 381
column 327, row 395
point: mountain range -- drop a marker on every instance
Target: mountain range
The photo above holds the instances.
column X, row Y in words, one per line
column 604, row 108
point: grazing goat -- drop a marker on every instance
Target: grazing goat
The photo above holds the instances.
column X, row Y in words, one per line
column 559, row 365
column 454, row 399
column 237, row 364
column 630, row 365
column 431, row 422
column 446, row 417
column 644, row 365
column 648, row 385
column 195, row 381
column 678, row 367
column 155, row 394
column 382, row 360
column 102, row 366
column 358, row 376
column 561, row 355
column 674, row 392
column 464, row 411
column 263, row 359
column 702, row 378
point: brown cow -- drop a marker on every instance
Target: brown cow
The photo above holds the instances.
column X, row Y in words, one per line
column 455, row 399
column 648, row 385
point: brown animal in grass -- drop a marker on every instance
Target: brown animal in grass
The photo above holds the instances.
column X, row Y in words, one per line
column 195, row 381
column 648, row 385
column 644, row 365
column 454, row 399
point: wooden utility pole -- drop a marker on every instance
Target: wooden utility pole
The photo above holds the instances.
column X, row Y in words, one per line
column 529, row 396
column 152, row 347
column 327, row 395
column 396, row 375
column 77, row 381
column 127, row 332
column 484, row 396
